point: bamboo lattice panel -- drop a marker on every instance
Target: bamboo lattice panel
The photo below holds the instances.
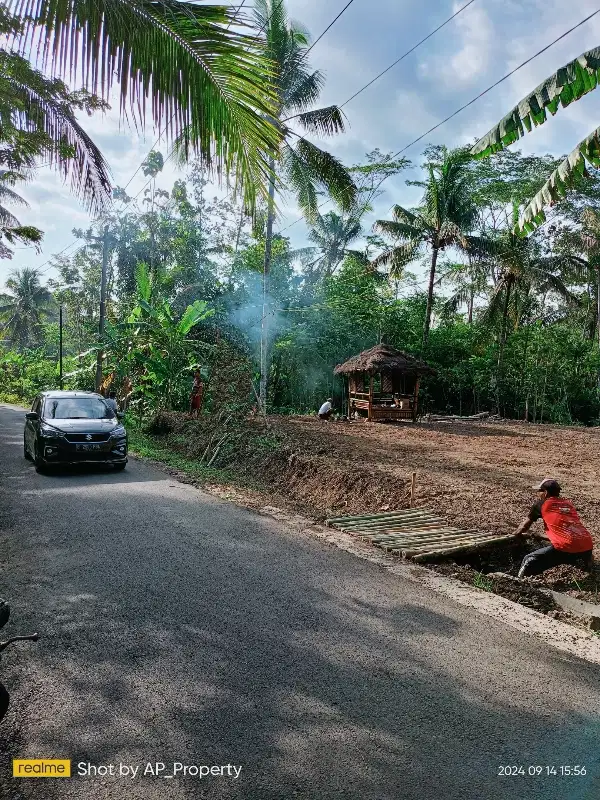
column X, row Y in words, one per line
column 416, row 533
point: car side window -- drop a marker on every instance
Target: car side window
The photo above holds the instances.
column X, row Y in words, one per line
column 36, row 405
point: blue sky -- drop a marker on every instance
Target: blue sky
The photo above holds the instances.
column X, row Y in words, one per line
column 482, row 44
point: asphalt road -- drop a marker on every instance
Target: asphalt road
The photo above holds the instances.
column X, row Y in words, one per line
column 180, row 628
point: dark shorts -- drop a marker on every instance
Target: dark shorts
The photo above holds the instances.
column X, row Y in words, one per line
column 547, row 557
column 326, row 415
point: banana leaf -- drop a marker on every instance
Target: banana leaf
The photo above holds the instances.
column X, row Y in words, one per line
column 568, row 84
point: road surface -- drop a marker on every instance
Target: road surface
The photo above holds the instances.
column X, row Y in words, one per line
column 178, row 628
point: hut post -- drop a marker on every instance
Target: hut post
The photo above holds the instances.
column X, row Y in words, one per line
column 370, row 395
column 416, row 398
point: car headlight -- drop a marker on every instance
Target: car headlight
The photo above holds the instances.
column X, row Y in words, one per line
column 51, row 433
column 119, row 432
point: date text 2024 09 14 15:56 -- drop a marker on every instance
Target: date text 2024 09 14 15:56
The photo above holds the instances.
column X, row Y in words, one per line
column 535, row 770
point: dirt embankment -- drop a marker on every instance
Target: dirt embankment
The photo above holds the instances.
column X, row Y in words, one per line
column 475, row 475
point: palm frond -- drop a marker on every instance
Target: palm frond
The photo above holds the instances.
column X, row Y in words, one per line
column 301, row 181
column 43, row 106
column 398, row 230
column 303, row 90
column 396, row 258
column 327, row 171
column 322, row 121
column 566, row 85
column 208, row 85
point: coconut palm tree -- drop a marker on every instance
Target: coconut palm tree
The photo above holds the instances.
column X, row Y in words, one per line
column 195, row 69
column 27, row 306
column 303, row 167
column 332, row 233
column 522, row 267
column 469, row 280
column 569, row 83
column 444, row 219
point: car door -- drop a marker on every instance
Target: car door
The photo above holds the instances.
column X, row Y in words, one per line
column 31, row 425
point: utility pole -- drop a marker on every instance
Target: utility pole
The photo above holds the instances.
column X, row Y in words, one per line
column 60, row 346
column 100, row 356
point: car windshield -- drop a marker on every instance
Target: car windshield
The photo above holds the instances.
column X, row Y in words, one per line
column 77, row 408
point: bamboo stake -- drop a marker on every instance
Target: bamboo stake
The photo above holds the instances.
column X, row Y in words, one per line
column 413, row 485
column 388, row 521
column 434, row 536
column 417, row 535
column 432, row 547
column 463, row 549
column 388, row 514
column 397, row 525
column 432, row 544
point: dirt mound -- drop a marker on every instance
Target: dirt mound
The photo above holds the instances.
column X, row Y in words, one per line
column 305, row 476
column 519, row 591
column 326, row 488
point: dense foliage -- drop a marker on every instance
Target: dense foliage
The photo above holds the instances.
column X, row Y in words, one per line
column 514, row 324
column 507, row 313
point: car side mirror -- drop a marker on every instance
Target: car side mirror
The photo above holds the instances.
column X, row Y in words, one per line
column 120, row 415
column 32, row 415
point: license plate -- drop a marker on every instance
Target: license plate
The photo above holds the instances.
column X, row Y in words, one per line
column 89, row 447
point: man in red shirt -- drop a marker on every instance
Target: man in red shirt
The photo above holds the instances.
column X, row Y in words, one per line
column 570, row 541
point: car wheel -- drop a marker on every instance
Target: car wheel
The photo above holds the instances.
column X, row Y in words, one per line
column 120, row 467
column 4, row 701
column 26, row 453
column 39, row 464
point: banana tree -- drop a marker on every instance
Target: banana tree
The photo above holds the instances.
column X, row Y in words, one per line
column 153, row 346
column 568, row 84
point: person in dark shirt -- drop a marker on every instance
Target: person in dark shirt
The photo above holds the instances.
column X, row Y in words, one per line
column 570, row 541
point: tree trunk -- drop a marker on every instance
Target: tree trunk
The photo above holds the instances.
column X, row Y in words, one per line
column 264, row 334
column 428, row 310
column 502, row 343
column 598, row 306
column 471, row 303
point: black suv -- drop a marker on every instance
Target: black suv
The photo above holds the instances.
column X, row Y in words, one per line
column 71, row 428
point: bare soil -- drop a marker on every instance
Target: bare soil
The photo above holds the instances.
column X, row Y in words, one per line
column 477, row 475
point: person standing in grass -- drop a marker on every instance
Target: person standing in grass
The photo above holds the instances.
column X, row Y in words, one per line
column 197, row 395
column 570, row 541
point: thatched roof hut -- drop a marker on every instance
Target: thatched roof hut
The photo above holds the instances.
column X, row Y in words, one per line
column 383, row 358
column 384, row 383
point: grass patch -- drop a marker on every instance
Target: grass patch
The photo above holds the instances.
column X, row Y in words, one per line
column 14, row 399
column 481, row 581
column 148, row 446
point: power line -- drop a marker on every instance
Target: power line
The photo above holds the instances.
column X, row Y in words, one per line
column 331, row 24
column 478, row 97
column 493, row 86
column 408, row 52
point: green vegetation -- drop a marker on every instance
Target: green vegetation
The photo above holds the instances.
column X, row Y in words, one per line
column 480, row 581
column 510, row 322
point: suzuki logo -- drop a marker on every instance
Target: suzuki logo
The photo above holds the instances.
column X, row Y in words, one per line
column 89, row 437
